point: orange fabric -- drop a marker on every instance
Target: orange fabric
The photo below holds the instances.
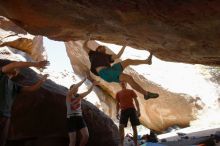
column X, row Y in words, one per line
column 125, row 98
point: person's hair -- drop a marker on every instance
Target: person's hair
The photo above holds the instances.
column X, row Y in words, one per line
column 99, row 47
column 123, row 84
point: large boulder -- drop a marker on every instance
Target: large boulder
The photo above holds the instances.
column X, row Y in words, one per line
column 174, row 30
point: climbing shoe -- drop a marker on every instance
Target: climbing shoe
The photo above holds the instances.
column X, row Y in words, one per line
column 151, row 95
column 149, row 59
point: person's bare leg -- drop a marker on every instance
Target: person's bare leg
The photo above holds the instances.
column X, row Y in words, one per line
column 5, row 122
column 122, row 134
column 85, row 136
column 127, row 78
column 135, row 135
column 128, row 62
column 72, row 138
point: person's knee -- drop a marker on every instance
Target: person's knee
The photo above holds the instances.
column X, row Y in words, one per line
column 72, row 142
column 121, row 127
column 134, row 129
column 72, row 137
column 128, row 60
column 125, row 77
column 85, row 136
column 126, row 63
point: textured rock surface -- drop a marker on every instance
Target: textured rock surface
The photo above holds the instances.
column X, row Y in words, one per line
column 158, row 114
column 175, row 30
column 15, row 37
column 38, row 119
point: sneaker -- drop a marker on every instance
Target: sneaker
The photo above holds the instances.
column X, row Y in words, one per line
column 151, row 95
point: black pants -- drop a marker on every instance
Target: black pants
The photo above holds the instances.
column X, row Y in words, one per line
column 75, row 123
column 129, row 113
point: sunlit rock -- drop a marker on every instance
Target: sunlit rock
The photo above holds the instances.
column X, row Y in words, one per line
column 15, row 37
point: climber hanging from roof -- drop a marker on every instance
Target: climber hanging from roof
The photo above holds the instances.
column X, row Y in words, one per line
column 101, row 66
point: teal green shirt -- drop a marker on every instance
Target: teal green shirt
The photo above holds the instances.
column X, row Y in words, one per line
column 8, row 92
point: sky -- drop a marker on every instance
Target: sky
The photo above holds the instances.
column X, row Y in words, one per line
column 57, row 55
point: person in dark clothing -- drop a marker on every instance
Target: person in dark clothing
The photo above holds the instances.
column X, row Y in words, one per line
column 101, row 66
column 9, row 89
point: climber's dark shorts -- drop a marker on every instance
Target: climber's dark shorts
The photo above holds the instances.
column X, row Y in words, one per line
column 111, row 74
column 75, row 123
column 129, row 113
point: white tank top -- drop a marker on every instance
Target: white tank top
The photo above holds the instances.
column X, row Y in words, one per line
column 74, row 109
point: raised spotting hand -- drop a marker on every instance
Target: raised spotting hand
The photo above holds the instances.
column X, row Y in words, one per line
column 42, row 64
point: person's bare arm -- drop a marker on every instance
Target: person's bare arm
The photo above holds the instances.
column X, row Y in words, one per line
column 75, row 86
column 117, row 109
column 68, row 96
column 116, row 56
column 117, row 106
column 82, row 95
column 11, row 66
column 137, row 106
column 36, row 86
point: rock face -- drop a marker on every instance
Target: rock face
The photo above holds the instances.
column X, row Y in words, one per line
column 158, row 114
column 15, row 37
column 174, row 30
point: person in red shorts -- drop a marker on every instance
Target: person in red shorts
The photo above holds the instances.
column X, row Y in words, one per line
column 125, row 98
